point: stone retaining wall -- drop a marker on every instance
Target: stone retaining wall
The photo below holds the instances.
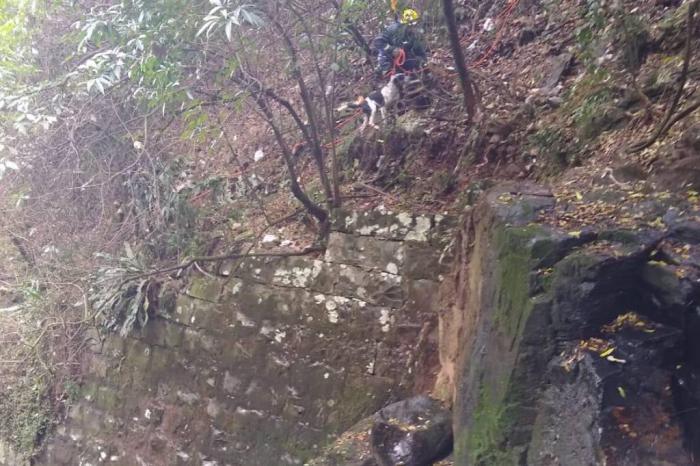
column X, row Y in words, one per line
column 269, row 364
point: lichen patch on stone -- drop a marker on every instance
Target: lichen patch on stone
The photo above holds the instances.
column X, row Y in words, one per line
column 420, row 231
column 333, row 317
column 405, row 219
column 385, row 320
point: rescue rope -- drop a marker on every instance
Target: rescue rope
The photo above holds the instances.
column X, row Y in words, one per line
column 502, row 19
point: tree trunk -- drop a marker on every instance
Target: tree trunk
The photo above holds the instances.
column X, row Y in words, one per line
column 315, row 210
column 316, row 148
column 470, row 100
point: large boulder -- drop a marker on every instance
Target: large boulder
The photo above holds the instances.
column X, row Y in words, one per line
column 413, row 432
column 571, row 348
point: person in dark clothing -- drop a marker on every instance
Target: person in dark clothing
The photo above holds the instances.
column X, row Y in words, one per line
column 401, row 34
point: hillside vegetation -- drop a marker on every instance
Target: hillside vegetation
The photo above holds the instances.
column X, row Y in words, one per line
column 142, row 141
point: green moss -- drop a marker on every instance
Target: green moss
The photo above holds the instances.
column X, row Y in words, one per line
column 358, row 399
column 555, row 149
column 591, row 104
column 138, row 356
column 107, row 398
column 25, row 414
column 624, row 237
column 300, row 450
column 573, row 265
column 674, row 22
column 205, row 288
column 172, row 335
column 497, row 412
column 665, row 283
column 483, row 443
column 514, row 264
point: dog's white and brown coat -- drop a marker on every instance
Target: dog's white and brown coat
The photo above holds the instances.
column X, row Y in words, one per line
column 380, row 100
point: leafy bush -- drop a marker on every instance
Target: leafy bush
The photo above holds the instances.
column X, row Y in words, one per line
column 123, row 294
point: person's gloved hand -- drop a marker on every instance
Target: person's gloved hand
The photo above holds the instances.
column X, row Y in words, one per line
column 395, row 52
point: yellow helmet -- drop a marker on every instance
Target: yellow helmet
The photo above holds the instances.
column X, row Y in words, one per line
column 409, row 16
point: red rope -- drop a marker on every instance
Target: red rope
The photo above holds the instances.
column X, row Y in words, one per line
column 399, row 61
column 339, row 126
column 503, row 16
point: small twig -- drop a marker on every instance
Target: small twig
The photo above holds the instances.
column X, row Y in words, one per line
column 246, row 179
column 204, row 272
column 377, row 190
column 608, row 172
column 359, row 196
column 684, row 113
column 194, row 260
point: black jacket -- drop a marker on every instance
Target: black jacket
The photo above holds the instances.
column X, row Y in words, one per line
column 403, row 36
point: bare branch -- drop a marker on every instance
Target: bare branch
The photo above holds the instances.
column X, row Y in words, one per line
column 667, row 122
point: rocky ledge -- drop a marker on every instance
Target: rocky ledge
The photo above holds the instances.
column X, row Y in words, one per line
column 573, row 347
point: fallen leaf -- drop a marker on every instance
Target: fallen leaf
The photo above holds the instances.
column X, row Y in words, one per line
column 614, row 359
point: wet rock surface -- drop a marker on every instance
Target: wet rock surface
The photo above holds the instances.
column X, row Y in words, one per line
column 571, row 348
column 269, row 364
column 556, row 347
column 413, row 432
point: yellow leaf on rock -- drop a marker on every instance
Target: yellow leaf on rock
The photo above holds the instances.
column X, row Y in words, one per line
column 659, row 263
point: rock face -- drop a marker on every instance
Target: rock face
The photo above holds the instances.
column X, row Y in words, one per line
column 412, row 432
column 555, row 349
column 570, row 349
column 267, row 365
column 680, row 164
